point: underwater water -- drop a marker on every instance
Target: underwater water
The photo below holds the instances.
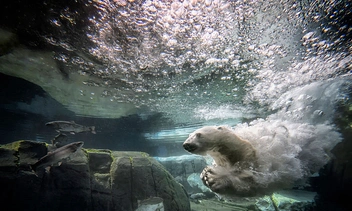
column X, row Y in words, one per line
column 146, row 74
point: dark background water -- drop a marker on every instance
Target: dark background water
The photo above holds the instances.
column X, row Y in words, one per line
column 25, row 108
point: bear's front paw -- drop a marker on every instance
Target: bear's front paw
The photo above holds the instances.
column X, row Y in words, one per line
column 225, row 182
column 204, row 175
column 216, row 179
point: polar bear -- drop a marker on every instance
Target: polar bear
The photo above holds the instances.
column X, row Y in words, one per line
column 263, row 156
column 233, row 158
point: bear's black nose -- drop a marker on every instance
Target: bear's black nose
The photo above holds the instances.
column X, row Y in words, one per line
column 189, row 147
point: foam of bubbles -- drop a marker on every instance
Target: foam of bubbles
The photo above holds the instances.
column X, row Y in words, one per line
column 292, row 143
column 155, row 53
column 288, row 151
column 223, row 112
column 159, row 50
column 273, row 83
column 312, row 103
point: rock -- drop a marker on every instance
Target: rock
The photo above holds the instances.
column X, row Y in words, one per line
column 293, row 200
column 195, row 182
column 296, row 200
column 90, row 180
column 19, row 154
column 214, row 205
column 197, row 196
column 186, row 169
column 265, row 204
column 185, row 164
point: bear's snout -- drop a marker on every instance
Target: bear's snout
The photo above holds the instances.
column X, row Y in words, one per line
column 189, row 147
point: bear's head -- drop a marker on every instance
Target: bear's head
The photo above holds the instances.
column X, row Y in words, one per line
column 205, row 139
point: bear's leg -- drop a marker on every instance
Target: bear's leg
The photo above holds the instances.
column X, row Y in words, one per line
column 226, row 182
column 217, row 179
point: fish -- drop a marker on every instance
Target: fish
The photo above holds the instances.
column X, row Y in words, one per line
column 153, row 203
column 57, row 155
column 71, row 127
column 59, row 140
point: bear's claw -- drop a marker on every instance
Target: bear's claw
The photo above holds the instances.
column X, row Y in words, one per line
column 216, row 178
column 222, row 181
column 203, row 176
column 207, row 176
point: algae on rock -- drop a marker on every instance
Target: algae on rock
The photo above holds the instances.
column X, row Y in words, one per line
column 90, row 180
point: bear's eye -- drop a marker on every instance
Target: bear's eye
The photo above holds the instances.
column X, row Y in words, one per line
column 198, row 135
column 220, row 128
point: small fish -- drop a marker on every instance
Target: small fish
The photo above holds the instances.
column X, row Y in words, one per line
column 57, row 155
column 59, row 140
column 153, row 203
column 71, row 127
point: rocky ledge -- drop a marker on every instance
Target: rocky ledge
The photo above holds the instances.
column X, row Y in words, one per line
column 92, row 179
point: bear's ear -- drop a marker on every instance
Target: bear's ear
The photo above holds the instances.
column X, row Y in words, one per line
column 219, row 128
column 198, row 135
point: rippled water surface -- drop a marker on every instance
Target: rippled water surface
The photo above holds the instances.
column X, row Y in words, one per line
column 196, row 62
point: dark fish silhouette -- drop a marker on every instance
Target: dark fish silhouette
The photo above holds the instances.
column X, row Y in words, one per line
column 59, row 140
column 71, row 127
column 57, row 155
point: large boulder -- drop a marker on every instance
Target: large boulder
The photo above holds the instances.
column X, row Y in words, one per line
column 186, row 170
column 90, row 180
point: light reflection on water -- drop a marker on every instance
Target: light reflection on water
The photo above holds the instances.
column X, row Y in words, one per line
column 184, row 58
column 196, row 62
column 176, row 135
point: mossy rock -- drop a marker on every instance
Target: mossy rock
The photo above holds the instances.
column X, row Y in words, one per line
column 90, row 180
